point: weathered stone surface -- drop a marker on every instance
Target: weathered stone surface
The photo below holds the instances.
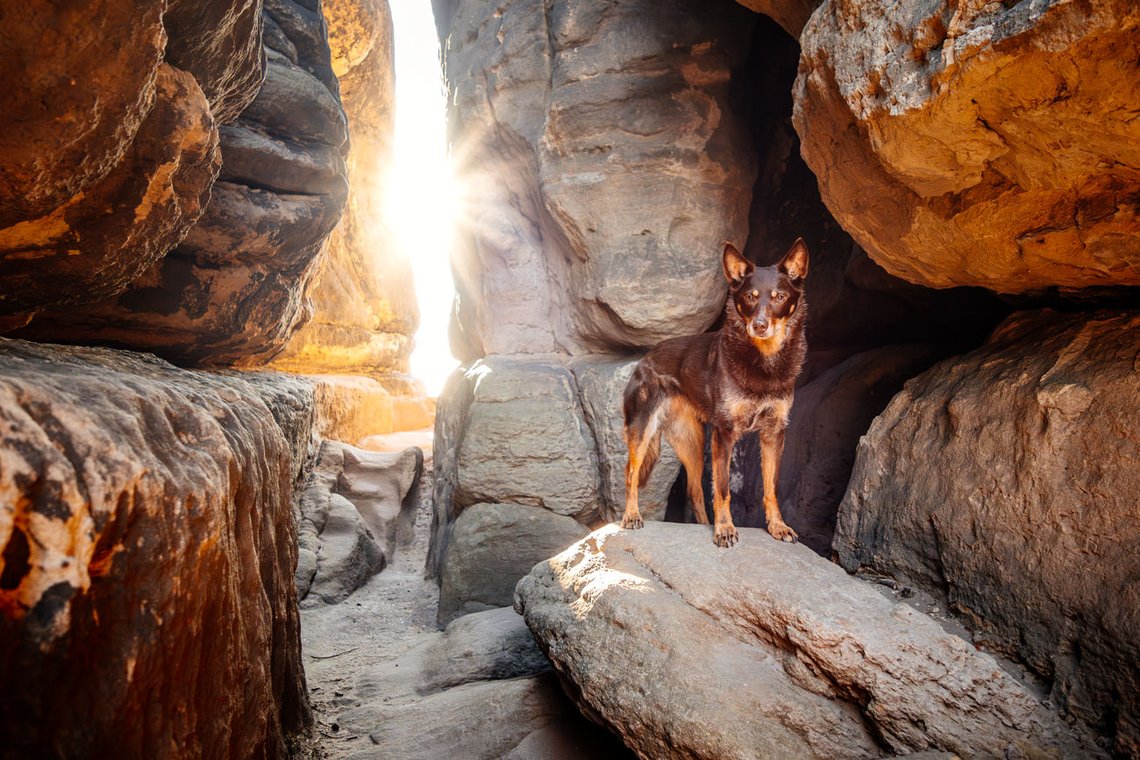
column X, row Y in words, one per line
column 351, row 408
column 978, row 143
column 790, row 14
column 605, row 167
column 491, row 547
column 146, row 557
column 1005, row 480
column 601, row 383
column 364, row 307
column 119, row 223
column 690, row 651
column 829, row 416
column 234, row 291
column 219, row 42
column 354, row 508
column 525, row 439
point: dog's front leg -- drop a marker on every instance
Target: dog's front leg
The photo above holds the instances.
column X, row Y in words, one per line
column 724, row 532
column 771, row 451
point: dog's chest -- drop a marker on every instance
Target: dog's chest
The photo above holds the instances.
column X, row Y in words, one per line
column 749, row 412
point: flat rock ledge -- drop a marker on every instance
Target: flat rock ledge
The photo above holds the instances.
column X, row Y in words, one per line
column 767, row 650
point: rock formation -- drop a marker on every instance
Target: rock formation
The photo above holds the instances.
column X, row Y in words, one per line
column 234, row 290
column 686, row 650
column 364, row 310
column 978, row 143
column 1023, row 513
column 146, row 557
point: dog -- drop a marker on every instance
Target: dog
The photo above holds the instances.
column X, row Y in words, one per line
column 738, row 379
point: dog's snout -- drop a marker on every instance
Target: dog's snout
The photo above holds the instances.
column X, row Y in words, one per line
column 760, row 323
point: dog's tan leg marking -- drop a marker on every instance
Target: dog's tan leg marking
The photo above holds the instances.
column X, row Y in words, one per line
column 687, row 437
column 771, row 451
column 724, row 532
column 632, row 516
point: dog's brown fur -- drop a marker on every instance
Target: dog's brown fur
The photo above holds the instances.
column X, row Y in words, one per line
column 738, row 379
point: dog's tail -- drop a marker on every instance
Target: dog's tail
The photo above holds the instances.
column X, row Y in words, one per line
column 641, row 405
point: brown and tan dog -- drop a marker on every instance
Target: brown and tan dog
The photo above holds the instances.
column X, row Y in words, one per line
column 738, row 379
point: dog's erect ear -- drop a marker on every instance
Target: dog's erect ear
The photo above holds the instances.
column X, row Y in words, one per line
column 795, row 262
column 736, row 267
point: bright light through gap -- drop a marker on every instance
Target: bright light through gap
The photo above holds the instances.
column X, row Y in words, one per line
column 420, row 196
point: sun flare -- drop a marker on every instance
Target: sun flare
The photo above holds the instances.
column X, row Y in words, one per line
column 422, row 197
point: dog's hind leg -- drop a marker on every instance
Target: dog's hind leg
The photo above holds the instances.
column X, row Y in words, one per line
column 639, row 442
column 686, row 434
column 724, row 532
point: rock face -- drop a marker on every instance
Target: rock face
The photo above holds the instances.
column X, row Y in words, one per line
column 355, row 507
column 234, row 290
column 146, row 558
column 364, row 309
column 1024, row 516
column 604, row 168
column 491, row 547
column 978, row 143
column 794, row 657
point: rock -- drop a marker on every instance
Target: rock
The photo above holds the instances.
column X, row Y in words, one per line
column 601, row 383
column 364, row 306
column 794, row 656
column 234, row 290
column 355, row 508
column 980, row 143
column 790, row 14
column 146, row 599
column 605, row 167
column 491, row 547
column 484, row 646
column 829, row 416
column 526, row 412
column 220, row 44
column 113, row 228
column 352, row 408
column 1004, row 481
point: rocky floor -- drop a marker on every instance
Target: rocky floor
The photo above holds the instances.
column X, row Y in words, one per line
column 391, row 614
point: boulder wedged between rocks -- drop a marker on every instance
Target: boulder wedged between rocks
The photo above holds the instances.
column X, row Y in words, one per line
column 767, row 650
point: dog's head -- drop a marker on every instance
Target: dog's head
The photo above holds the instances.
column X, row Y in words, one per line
column 765, row 298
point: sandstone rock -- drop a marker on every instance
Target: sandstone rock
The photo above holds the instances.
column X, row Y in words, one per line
column 1005, row 480
column 220, row 44
column 790, row 14
column 351, row 408
column 355, row 508
column 96, row 241
column 601, row 383
column 605, row 167
column 364, row 307
column 526, row 414
column 491, row 547
column 234, row 291
column 686, row 650
column 146, row 599
column 978, row 143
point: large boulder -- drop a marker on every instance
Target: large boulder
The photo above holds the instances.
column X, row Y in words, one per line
column 605, row 168
column 687, row 650
column 977, row 143
column 491, row 547
column 147, row 606
column 234, row 290
column 1005, row 481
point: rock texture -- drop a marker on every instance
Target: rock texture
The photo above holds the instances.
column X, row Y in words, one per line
column 492, row 546
column 146, row 558
column 977, row 143
column 355, row 508
column 364, row 307
column 794, row 657
column 604, row 167
column 234, row 290
column 1023, row 514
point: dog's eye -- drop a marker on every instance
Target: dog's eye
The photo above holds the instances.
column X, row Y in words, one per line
column 780, row 296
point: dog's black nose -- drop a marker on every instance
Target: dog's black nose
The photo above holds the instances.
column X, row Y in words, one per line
column 760, row 324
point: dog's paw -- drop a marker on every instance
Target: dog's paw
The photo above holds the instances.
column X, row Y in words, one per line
column 782, row 532
column 724, row 536
column 632, row 522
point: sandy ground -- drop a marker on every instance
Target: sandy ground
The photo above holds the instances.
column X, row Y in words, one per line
column 391, row 613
